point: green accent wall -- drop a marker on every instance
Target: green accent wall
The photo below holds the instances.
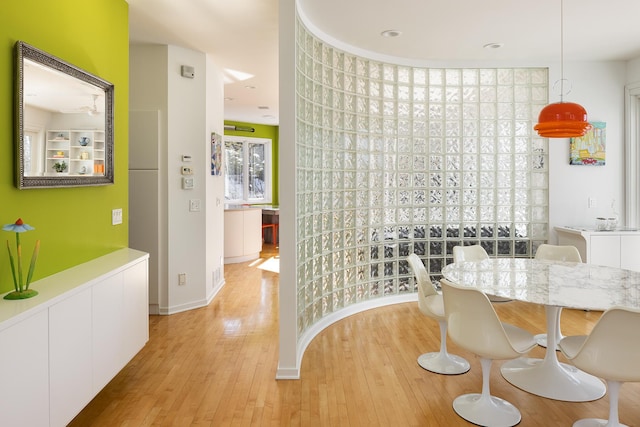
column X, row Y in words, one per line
column 262, row 131
column 73, row 224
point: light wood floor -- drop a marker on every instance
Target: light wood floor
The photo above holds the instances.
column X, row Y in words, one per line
column 216, row 366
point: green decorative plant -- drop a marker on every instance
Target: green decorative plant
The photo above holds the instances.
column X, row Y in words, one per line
column 21, row 286
column 60, row 166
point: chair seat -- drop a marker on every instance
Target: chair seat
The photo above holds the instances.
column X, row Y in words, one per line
column 571, row 345
column 435, row 304
column 521, row 339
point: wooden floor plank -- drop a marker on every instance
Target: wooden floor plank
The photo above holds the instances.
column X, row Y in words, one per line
column 215, row 366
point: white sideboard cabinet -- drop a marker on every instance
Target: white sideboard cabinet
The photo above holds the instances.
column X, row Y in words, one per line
column 242, row 233
column 60, row 348
column 617, row 248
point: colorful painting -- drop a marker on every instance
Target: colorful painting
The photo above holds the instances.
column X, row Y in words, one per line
column 590, row 148
column 216, row 154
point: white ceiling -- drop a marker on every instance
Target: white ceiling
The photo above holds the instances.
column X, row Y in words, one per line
column 242, row 35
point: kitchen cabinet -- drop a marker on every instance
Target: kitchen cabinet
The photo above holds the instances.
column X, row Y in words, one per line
column 242, row 233
column 617, row 248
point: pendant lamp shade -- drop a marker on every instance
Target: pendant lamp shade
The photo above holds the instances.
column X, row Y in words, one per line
column 562, row 120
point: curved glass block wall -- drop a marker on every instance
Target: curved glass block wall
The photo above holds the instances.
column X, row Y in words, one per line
column 394, row 159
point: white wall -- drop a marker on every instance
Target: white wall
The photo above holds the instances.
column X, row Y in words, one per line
column 214, row 207
column 187, row 240
column 148, row 151
column 599, row 87
column 290, row 356
column 633, row 71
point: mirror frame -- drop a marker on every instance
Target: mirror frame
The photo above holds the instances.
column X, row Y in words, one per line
column 26, row 51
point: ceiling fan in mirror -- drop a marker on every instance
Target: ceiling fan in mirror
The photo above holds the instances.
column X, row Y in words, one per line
column 91, row 110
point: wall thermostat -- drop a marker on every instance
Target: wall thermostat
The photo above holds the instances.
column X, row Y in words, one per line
column 187, row 71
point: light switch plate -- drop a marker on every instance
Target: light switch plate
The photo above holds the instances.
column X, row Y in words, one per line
column 187, row 183
column 116, row 216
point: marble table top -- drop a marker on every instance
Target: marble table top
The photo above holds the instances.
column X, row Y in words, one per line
column 562, row 284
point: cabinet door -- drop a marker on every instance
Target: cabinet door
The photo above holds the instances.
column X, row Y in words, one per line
column 605, row 250
column 70, row 360
column 252, row 231
column 108, row 330
column 630, row 252
column 136, row 309
column 24, row 381
column 233, row 234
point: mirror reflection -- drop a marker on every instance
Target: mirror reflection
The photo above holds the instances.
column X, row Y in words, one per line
column 65, row 126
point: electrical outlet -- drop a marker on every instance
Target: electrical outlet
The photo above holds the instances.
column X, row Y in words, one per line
column 194, row 205
column 182, row 279
column 116, row 216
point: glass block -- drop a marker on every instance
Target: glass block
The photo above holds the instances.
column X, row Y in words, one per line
column 504, row 213
column 389, row 72
column 539, row 231
column 349, row 219
column 369, row 134
column 390, row 216
column 436, row 77
column 375, row 70
column 362, row 123
column 404, row 127
column 419, row 215
column 436, row 95
column 539, row 94
column 389, row 92
column 539, row 213
column 389, row 287
column 349, row 64
column 505, row 94
column 404, row 215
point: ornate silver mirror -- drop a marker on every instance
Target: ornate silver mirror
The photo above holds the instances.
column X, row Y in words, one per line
column 64, row 123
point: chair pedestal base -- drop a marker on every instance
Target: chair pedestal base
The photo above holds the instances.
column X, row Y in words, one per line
column 446, row 364
column 595, row 422
column 486, row 410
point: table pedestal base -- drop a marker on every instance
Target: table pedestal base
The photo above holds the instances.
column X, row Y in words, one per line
column 557, row 381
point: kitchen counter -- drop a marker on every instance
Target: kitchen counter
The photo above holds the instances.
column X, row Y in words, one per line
column 616, row 248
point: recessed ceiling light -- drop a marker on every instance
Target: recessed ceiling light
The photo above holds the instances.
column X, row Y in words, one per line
column 228, row 99
column 493, row 45
column 250, row 87
column 390, row 33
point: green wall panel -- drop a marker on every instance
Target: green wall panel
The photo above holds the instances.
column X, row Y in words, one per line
column 73, row 224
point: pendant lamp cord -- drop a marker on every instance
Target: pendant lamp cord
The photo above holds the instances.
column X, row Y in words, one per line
column 561, row 50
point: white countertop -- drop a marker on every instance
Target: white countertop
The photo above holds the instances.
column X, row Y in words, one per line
column 582, row 229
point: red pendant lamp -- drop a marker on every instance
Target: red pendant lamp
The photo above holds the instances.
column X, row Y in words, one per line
column 562, row 119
